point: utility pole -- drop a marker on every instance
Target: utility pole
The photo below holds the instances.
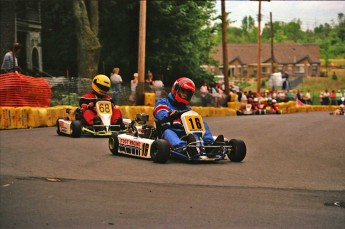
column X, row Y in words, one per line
column 141, row 53
column 272, row 52
column 225, row 50
column 258, row 69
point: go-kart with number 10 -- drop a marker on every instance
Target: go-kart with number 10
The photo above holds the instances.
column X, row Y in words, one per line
column 142, row 140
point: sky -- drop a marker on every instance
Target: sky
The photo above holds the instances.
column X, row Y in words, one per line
column 311, row 13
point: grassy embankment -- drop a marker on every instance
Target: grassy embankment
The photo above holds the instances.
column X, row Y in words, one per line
column 318, row 84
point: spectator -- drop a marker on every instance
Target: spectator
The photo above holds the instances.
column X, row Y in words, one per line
column 239, row 95
column 203, row 94
column 299, row 96
column 10, row 61
column 325, row 98
column 338, row 96
column 134, row 84
column 159, row 88
column 321, row 98
column 333, row 97
column 116, row 81
column 149, row 83
column 307, row 98
column 288, row 95
column 215, row 95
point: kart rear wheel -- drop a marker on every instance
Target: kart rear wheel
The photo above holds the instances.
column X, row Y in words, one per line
column 58, row 131
column 160, row 151
column 76, row 129
column 113, row 144
column 238, row 150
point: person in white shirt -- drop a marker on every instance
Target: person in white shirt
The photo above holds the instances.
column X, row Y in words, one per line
column 116, row 81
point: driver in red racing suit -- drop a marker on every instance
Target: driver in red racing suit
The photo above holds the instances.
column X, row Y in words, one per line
column 100, row 87
column 271, row 105
column 167, row 112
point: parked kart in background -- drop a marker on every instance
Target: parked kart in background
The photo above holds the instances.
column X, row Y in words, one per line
column 249, row 110
column 271, row 107
column 77, row 127
column 143, row 140
column 269, row 110
column 339, row 111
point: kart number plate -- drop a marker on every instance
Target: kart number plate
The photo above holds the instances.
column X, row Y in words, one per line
column 104, row 107
column 268, row 108
column 194, row 123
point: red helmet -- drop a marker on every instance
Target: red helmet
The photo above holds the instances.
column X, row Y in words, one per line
column 183, row 86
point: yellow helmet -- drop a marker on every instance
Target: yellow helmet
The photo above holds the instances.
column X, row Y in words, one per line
column 101, row 84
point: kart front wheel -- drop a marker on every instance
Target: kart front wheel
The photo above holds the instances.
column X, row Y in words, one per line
column 238, row 150
column 114, row 144
column 76, row 129
column 160, row 151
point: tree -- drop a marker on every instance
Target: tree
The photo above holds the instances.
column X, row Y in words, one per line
column 88, row 46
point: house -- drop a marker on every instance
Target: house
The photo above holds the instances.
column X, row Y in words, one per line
column 20, row 21
column 295, row 59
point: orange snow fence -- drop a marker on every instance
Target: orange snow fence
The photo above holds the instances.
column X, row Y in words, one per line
column 17, row 90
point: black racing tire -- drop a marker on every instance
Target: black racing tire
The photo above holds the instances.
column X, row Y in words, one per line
column 113, row 144
column 160, row 151
column 238, row 150
column 76, row 129
column 58, row 131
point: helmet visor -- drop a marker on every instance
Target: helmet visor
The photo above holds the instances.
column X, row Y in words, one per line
column 104, row 88
column 185, row 94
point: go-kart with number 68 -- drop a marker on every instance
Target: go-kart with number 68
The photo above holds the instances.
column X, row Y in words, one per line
column 79, row 126
column 143, row 140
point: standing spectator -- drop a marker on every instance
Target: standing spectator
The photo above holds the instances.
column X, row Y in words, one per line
column 215, row 94
column 333, row 97
column 159, row 88
column 339, row 95
column 10, row 61
column 244, row 97
column 203, row 94
column 134, row 84
column 325, row 99
column 239, row 95
column 116, row 81
column 149, row 83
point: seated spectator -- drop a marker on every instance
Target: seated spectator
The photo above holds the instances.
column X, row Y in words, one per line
column 307, row 98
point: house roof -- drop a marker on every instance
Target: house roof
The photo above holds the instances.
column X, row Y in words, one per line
column 284, row 53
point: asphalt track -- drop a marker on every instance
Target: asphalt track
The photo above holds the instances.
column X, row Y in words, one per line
column 293, row 177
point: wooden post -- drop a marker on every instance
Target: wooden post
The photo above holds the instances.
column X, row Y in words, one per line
column 141, row 53
column 258, row 69
column 272, row 50
column 225, row 50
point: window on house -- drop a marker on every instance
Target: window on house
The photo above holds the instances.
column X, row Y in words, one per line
column 300, row 69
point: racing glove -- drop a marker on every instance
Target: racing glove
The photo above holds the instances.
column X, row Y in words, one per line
column 83, row 107
column 173, row 115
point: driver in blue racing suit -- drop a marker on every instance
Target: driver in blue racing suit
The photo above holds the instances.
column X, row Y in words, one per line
column 167, row 112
